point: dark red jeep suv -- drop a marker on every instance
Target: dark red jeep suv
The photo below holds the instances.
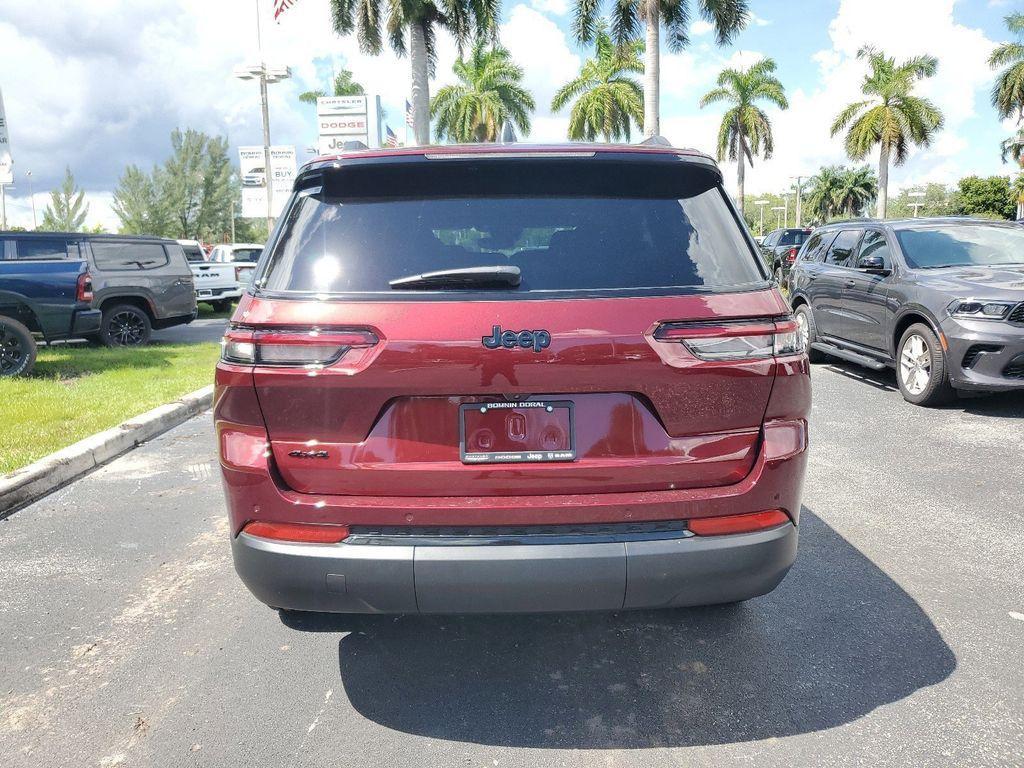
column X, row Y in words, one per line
column 511, row 378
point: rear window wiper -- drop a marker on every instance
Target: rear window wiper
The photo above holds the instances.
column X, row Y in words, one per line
column 494, row 277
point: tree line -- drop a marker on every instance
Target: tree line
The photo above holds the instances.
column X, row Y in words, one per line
column 605, row 102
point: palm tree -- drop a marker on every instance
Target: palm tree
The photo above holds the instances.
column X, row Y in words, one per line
column 746, row 130
column 463, row 19
column 892, row 117
column 487, row 96
column 1008, row 92
column 344, row 85
column 856, row 189
column 726, row 16
column 607, row 101
column 821, row 202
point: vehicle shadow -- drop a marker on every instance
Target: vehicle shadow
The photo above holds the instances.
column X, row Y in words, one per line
column 1004, row 404
column 836, row 640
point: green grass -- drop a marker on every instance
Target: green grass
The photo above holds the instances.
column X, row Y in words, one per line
column 78, row 390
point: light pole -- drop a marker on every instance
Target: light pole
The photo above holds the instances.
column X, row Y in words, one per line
column 916, row 205
column 760, row 210
column 778, row 215
column 799, row 199
column 31, row 197
column 265, row 75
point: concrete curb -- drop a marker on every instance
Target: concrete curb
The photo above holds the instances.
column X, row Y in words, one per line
column 27, row 484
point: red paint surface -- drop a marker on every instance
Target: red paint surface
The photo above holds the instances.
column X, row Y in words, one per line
column 660, row 434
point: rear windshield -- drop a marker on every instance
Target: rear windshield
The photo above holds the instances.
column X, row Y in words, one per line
column 962, row 246
column 193, row 253
column 794, row 237
column 245, row 254
column 563, row 237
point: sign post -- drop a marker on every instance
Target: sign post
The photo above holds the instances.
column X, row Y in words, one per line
column 265, row 187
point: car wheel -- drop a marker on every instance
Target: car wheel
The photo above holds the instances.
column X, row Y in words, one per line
column 921, row 367
column 17, row 348
column 805, row 324
column 221, row 305
column 779, row 277
column 125, row 325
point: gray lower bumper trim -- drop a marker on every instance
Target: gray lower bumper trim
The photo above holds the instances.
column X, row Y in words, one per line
column 348, row 578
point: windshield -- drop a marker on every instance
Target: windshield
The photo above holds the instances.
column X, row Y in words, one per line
column 962, row 245
column 794, row 237
column 559, row 243
column 245, row 254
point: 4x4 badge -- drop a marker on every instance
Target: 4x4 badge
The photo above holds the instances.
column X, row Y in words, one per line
column 538, row 340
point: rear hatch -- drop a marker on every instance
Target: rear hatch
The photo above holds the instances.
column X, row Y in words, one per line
column 474, row 326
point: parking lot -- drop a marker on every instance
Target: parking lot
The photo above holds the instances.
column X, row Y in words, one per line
column 895, row 640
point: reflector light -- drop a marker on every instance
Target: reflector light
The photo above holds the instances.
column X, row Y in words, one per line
column 745, row 523
column 307, row 533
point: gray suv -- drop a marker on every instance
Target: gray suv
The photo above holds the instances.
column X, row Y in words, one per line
column 139, row 283
column 940, row 300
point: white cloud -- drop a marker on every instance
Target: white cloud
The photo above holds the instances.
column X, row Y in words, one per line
column 554, row 7
column 540, row 47
column 757, row 21
column 802, row 134
column 701, row 27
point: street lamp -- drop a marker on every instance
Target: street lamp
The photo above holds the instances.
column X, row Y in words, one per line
column 31, row 197
column 916, row 205
column 265, row 75
column 779, row 209
column 760, row 209
column 799, row 199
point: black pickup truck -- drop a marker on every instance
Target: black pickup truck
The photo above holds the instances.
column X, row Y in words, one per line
column 50, row 298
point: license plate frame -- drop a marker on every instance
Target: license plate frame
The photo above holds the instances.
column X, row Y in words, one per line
column 204, row 293
column 525, row 456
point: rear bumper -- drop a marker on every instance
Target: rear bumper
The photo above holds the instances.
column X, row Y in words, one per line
column 208, row 294
column 86, row 322
column 659, row 573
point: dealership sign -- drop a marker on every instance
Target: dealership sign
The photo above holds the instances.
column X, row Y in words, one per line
column 257, row 183
column 342, row 119
column 6, row 164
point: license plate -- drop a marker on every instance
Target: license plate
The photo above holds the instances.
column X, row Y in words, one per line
column 202, row 294
column 516, row 433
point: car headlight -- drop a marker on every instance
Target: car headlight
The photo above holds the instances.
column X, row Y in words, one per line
column 979, row 309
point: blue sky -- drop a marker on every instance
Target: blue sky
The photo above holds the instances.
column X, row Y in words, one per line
column 139, row 68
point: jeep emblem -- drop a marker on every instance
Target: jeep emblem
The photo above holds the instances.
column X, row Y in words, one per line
column 537, row 340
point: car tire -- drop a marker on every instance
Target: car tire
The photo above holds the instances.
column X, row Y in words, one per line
column 779, row 277
column 221, row 305
column 17, row 348
column 125, row 325
column 921, row 370
column 805, row 321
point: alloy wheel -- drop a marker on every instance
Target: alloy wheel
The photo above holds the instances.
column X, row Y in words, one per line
column 805, row 332
column 11, row 352
column 915, row 364
column 126, row 329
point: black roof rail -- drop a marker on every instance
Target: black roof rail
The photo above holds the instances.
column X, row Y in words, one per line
column 656, row 141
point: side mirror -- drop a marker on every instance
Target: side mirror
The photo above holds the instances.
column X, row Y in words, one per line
column 874, row 265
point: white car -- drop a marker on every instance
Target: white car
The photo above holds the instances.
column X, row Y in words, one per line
column 227, row 274
column 257, row 177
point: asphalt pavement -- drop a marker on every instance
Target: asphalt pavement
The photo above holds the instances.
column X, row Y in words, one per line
column 199, row 330
column 897, row 639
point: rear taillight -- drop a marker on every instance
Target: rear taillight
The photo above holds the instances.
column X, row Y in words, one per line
column 83, row 290
column 313, row 348
column 735, row 339
column 745, row 523
column 306, row 533
column 791, row 255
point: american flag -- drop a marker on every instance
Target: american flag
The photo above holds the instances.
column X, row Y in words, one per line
column 408, row 112
column 280, row 6
column 392, row 139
